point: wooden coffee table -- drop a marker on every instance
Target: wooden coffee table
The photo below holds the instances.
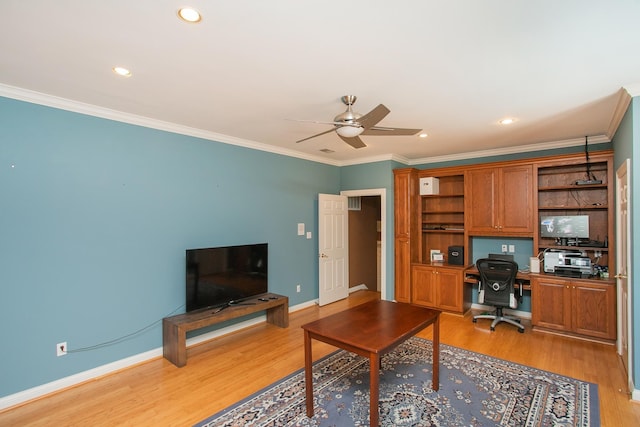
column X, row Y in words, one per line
column 371, row 330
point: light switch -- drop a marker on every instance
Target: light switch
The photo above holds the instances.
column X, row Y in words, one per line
column 301, row 229
column 512, row 249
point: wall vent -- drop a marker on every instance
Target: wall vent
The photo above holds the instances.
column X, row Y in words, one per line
column 354, row 203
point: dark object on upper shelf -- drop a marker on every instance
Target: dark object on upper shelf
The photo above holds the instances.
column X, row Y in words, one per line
column 588, row 181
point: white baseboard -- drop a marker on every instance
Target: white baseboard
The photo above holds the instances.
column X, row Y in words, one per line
column 635, row 393
column 360, row 287
column 91, row 374
column 62, row 383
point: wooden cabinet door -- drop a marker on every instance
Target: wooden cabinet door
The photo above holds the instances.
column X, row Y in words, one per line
column 449, row 295
column 481, row 203
column 403, row 193
column 424, row 286
column 516, row 199
column 594, row 309
column 406, row 241
column 403, row 270
column 551, row 303
column 499, row 200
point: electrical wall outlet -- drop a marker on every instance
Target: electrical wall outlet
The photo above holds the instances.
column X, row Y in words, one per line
column 61, row 349
column 298, row 288
column 504, row 248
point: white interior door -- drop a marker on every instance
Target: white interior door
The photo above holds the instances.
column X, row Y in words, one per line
column 623, row 267
column 333, row 248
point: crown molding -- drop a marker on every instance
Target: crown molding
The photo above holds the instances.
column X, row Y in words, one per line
column 595, row 139
column 106, row 113
column 624, row 99
column 39, row 98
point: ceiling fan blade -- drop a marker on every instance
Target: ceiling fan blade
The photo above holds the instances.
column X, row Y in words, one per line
column 376, row 130
column 354, row 141
column 318, row 134
column 372, row 118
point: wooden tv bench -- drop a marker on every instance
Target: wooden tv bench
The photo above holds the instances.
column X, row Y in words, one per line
column 175, row 328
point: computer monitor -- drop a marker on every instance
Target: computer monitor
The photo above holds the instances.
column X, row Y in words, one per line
column 576, row 226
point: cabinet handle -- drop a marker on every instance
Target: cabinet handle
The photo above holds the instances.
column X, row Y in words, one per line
column 620, row 276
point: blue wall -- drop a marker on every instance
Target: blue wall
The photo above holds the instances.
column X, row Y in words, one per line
column 96, row 216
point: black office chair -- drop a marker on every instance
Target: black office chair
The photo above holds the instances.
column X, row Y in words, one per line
column 497, row 278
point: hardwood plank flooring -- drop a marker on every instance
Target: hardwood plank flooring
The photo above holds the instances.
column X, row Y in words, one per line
column 225, row 370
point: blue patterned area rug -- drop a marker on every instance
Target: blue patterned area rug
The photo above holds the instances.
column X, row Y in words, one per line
column 475, row 390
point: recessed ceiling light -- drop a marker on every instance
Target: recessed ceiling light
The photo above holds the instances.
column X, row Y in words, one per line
column 189, row 14
column 121, row 71
column 423, row 135
column 507, row 121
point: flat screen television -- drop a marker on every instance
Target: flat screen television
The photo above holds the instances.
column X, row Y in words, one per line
column 216, row 277
column 576, row 226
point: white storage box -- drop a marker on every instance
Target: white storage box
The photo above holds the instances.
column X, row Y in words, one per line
column 429, row 185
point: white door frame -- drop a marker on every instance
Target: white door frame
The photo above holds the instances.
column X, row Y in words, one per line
column 382, row 192
column 624, row 323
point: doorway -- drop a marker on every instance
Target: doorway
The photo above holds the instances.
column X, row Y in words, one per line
column 368, row 234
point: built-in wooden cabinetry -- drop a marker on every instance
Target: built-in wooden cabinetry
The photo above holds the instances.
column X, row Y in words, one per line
column 581, row 307
column 441, row 287
column 558, row 195
column 499, row 201
column 508, row 199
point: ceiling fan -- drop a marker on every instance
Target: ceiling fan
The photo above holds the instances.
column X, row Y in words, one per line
column 349, row 125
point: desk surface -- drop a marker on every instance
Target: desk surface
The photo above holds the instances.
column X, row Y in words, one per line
column 525, row 277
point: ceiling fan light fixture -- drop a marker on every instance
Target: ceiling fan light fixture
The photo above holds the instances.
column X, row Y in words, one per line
column 349, row 131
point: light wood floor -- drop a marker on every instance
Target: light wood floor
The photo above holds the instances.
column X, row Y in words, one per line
column 225, row 370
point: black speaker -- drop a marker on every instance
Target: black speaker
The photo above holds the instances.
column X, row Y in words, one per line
column 456, row 255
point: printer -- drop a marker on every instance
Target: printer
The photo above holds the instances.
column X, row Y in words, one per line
column 567, row 263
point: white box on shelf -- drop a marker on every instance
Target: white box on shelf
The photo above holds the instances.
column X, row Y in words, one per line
column 429, row 185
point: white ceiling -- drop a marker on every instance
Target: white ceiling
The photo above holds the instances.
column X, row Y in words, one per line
column 453, row 68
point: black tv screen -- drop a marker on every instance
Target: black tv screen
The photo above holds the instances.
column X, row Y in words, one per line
column 218, row 276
